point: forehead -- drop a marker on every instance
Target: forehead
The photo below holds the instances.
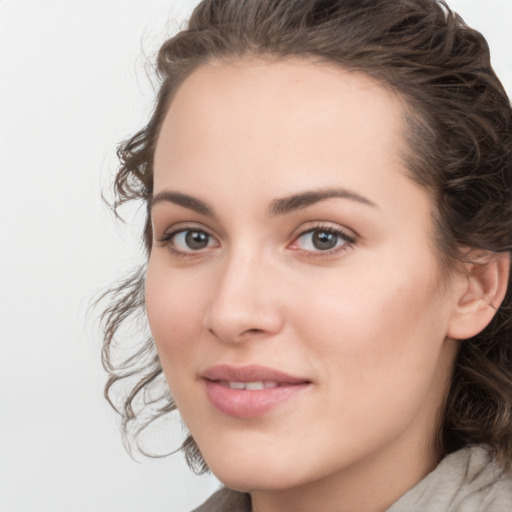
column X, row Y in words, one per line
column 281, row 121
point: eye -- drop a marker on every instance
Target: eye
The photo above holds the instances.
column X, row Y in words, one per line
column 322, row 240
column 188, row 240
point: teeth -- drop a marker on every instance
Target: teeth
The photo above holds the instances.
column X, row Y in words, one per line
column 252, row 386
column 237, row 385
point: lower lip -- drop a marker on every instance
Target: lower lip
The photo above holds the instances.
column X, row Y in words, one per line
column 241, row 403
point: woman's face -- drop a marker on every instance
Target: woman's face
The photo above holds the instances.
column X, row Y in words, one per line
column 293, row 289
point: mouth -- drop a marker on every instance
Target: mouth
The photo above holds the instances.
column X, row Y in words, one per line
column 249, row 386
column 250, row 391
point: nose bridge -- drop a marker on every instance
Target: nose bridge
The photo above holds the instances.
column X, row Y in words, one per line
column 243, row 303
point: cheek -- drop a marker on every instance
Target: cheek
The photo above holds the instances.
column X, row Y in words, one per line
column 382, row 324
column 174, row 306
column 380, row 356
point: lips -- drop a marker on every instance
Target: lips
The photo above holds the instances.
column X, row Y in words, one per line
column 249, row 391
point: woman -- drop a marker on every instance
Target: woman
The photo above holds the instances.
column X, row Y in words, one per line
column 329, row 224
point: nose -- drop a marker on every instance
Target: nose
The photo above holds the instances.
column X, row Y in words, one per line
column 244, row 304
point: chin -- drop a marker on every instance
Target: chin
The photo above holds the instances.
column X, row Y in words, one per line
column 254, row 482
column 260, row 472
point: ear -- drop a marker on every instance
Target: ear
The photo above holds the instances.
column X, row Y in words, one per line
column 479, row 293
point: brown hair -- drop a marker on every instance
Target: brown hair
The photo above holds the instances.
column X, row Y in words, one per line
column 460, row 142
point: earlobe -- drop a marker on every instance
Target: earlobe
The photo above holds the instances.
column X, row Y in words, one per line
column 481, row 292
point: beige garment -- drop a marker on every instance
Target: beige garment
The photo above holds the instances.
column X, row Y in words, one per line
column 465, row 481
column 226, row 500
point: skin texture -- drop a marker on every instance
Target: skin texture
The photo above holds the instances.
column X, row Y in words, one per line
column 368, row 324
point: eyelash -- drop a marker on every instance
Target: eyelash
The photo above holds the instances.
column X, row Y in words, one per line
column 348, row 241
column 166, row 241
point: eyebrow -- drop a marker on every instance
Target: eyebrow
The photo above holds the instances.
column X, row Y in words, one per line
column 280, row 206
column 180, row 199
column 297, row 201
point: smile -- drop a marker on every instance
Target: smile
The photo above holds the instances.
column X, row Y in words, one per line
column 250, row 391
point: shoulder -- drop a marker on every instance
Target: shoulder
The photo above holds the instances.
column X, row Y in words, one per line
column 465, row 481
column 226, row 500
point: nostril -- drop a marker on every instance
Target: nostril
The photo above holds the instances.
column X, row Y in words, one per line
column 248, row 333
column 252, row 331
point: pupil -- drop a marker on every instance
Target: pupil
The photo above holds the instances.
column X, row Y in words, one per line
column 196, row 239
column 323, row 240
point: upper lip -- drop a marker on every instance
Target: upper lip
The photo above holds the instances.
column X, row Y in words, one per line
column 252, row 373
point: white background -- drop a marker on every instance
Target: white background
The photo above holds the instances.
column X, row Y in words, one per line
column 73, row 83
